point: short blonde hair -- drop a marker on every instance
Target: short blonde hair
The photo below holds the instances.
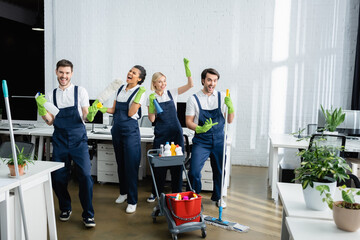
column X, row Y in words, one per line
column 155, row 77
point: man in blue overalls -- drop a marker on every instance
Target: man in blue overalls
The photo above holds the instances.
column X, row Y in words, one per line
column 70, row 141
column 205, row 115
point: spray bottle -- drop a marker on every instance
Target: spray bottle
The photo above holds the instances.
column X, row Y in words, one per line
column 167, row 151
column 161, row 150
column 178, row 150
column 49, row 106
column 172, row 149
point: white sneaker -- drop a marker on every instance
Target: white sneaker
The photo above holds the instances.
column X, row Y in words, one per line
column 131, row 208
column 223, row 204
column 151, row 199
column 121, row 198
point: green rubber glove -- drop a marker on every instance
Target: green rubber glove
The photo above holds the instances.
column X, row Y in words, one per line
column 229, row 104
column 151, row 103
column 187, row 70
column 206, row 127
column 40, row 101
column 103, row 109
column 92, row 111
column 138, row 95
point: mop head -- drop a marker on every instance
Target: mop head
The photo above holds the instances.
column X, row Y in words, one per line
column 226, row 224
column 109, row 90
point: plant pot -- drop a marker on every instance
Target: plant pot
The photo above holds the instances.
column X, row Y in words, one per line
column 313, row 199
column 346, row 219
column 331, row 133
column 12, row 169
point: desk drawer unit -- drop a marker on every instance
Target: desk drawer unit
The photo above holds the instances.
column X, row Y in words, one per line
column 206, row 177
column 107, row 167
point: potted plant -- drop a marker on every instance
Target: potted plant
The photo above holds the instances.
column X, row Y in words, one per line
column 320, row 165
column 22, row 160
column 346, row 213
column 333, row 118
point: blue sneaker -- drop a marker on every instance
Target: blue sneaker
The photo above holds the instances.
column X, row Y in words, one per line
column 151, row 199
column 89, row 222
column 65, row 215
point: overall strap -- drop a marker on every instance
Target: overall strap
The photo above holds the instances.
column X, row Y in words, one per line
column 76, row 96
column 131, row 96
column 54, row 97
column 170, row 96
column 197, row 100
column 119, row 90
column 219, row 100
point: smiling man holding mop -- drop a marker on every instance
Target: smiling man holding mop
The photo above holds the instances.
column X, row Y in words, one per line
column 205, row 113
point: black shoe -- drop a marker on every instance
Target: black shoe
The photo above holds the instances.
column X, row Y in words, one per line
column 65, row 215
column 89, row 222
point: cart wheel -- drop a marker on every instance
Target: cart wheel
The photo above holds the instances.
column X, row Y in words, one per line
column 174, row 236
column 203, row 233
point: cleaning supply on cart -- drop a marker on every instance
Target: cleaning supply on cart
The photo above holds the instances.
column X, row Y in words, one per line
column 178, row 150
column 184, row 211
column 185, row 198
column 161, row 150
column 172, row 149
column 178, row 197
column 167, row 151
column 194, row 196
column 49, row 106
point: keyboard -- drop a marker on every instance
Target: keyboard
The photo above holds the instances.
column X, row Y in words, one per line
column 102, row 131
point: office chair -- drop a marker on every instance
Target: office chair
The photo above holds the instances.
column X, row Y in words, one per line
column 187, row 152
column 145, row 122
column 5, row 148
column 349, row 182
column 335, row 141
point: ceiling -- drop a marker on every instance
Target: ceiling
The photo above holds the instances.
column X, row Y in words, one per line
column 28, row 12
column 31, row 5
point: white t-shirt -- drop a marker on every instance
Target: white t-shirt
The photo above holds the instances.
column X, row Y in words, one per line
column 206, row 102
column 124, row 96
column 65, row 98
column 165, row 97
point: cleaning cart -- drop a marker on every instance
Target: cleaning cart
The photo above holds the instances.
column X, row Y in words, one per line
column 181, row 215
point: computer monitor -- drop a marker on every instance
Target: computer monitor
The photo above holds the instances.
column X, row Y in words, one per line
column 23, row 109
column 181, row 109
column 98, row 119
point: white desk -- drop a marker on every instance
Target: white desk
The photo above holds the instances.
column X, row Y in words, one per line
column 147, row 135
column 313, row 229
column 38, row 200
column 5, row 186
column 292, row 198
column 280, row 141
column 288, row 141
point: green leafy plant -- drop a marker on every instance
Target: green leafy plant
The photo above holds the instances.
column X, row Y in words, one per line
column 333, row 117
column 22, row 158
column 321, row 164
column 348, row 196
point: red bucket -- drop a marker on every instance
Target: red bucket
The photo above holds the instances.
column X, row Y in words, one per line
column 184, row 211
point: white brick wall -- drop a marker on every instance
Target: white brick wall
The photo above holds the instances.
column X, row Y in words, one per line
column 281, row 59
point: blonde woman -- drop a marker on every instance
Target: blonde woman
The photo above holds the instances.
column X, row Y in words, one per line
column 167, row 126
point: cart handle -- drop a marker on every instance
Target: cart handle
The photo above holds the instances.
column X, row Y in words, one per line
column 153, row 152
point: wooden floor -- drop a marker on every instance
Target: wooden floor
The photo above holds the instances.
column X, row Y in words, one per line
column 248, row 203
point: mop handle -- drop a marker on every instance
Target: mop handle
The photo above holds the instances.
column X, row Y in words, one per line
column 224, row 156
column 8, row 112
column 19, row 188
column 5, row 89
